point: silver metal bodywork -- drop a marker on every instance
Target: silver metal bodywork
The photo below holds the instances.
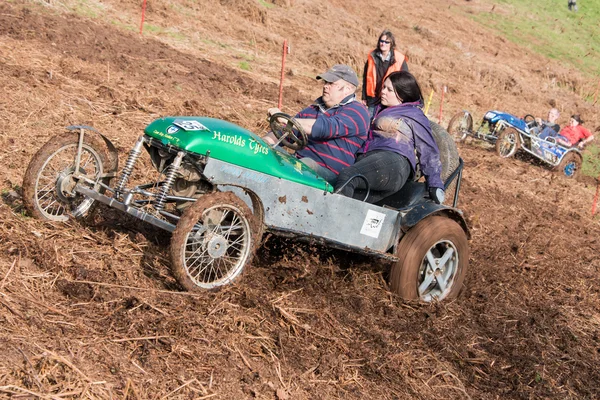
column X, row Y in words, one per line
column 312, row 212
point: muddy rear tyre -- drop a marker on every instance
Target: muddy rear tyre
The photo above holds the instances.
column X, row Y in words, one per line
column 48, row 184
column 570, row 166
column 508, row 143
column 460, row 125
column 448, row 156
column 432, row 261
column 213, row 242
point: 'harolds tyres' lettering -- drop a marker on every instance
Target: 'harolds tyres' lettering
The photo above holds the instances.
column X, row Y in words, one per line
column 235, row 140
column 255, row 146
column 258, row 148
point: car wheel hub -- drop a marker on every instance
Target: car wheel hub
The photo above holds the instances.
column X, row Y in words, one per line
column 65, row 185
column 438, row 271
column 216, row 246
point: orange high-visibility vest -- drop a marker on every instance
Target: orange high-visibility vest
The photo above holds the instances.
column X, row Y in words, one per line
column 372, row 71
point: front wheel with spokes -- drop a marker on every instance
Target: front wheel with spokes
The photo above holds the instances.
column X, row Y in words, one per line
column 213, row 242
column 50, row 180
column 432, row 261
column 508, row 142
column 460, row 125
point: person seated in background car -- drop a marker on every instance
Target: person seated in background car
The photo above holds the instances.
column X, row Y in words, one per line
column 549, row 127
column 574, row 134
column 336, row 124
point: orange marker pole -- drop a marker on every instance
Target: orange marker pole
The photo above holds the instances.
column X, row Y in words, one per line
column 595, row 203
column 143, row 16
column 285, row 50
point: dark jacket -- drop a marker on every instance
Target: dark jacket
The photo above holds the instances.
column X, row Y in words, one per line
column 410, row 137
column 338, row 133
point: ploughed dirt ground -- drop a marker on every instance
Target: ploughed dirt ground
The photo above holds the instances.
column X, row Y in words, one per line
column 92, row 311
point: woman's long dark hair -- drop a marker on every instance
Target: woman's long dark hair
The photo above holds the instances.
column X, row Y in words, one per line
column 406, row 87
column 389, row 36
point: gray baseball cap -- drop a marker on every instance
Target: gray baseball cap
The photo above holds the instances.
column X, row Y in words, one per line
column 339, row 71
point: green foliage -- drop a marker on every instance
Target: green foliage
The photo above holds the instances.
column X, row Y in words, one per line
column 549, row 28
column 124, row 26
column 89, row 8
column 245, row 65
column 591, row 160
column 213, row 43
column 152, row 28
column 266, row 4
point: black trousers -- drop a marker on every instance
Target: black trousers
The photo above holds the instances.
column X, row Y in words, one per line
column 385, row 171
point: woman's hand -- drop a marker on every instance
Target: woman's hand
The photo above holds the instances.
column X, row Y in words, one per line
column 437, row 195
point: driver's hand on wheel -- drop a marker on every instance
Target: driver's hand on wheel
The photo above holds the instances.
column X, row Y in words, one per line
column 436, row 194
column 269, row 138
column 273, row 110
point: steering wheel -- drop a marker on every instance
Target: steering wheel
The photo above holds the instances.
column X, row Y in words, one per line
column 284, row 131
column 530, row 120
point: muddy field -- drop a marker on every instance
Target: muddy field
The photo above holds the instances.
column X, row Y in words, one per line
column 92, row 310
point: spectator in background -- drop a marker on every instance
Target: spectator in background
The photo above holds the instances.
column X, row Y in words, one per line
column 380, row 63
column 574, row 134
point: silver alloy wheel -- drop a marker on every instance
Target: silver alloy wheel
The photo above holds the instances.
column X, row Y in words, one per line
column 438, row 271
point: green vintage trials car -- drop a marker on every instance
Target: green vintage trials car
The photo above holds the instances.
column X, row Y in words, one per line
column 221, row 187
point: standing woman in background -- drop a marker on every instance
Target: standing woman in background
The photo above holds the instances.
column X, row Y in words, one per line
column 380, row 63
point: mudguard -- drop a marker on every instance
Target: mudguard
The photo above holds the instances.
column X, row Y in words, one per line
column 411, row 217
column 112, row 150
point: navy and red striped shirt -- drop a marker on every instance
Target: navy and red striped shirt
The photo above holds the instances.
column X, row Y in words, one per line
column 338, row 133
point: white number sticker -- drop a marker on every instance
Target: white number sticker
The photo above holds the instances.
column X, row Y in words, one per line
column 372, row 224
column 190, row 125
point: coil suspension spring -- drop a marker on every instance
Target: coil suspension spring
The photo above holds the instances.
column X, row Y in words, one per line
column 134, row 154
column 168, row 182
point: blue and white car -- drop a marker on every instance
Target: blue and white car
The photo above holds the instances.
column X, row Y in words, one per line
column 510, row 134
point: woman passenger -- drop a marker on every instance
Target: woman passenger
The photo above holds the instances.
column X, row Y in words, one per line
column 399, row 134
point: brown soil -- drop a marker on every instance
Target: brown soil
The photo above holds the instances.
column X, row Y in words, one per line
column 92, row 311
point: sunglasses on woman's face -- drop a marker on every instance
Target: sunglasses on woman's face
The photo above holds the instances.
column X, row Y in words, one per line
column 385, row 41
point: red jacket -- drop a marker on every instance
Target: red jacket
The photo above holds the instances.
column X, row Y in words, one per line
column 575, row 133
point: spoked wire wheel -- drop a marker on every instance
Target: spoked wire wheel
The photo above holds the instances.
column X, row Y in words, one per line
column 213, row 242
column 49, row 183
column 508, row 143
column 460, row 125
column 433, row 259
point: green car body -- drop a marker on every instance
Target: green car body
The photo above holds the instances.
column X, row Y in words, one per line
column 231, row 143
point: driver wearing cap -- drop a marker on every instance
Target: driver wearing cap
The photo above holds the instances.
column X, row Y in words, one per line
column 336, row 124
